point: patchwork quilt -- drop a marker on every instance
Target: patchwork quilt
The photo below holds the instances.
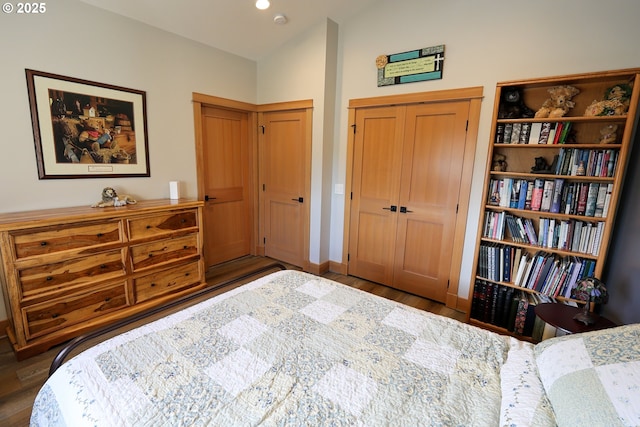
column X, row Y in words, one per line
column 293, row 349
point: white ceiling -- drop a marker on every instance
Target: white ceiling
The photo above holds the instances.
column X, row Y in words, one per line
column 235, row 26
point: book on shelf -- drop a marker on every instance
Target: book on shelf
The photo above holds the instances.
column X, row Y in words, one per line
column 513, row 310
column 534, row 134
column 522, row 195
column 592, row 197
column 556, row 198
column 508, row 130
column 525, row 133
column 515, row 193
column 536, row 194
column 557, row 133
column 499, row 138
column 547, row 131
column 607, row 200
column 583, row 192
column 547, row 195
column 514, row 138
column 566, row 130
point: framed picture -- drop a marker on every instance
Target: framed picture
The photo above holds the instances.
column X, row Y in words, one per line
column 84, row 129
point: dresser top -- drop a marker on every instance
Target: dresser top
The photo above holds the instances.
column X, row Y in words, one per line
column 43, row 217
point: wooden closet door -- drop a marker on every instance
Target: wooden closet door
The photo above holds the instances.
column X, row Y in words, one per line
column 432, row 161
column 377, row 161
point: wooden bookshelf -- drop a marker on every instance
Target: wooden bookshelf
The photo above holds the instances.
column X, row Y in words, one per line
column 563, row 242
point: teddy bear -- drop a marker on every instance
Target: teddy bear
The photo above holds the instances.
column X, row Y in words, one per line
column 499, row 163
column 559, row 102
column 512, row 105
column 615, row 103
column 608, row 134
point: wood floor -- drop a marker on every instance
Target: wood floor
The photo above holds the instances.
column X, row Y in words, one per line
column 20, row 381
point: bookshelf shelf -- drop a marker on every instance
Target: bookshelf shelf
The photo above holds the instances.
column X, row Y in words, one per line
column 551, row 203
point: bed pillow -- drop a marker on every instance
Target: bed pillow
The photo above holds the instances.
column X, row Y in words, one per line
column 524, row 402
column 593, row 378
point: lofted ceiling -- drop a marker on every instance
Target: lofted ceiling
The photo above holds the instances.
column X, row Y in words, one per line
column 234, row 26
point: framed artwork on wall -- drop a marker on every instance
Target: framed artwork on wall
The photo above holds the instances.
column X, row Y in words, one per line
column 85, row 129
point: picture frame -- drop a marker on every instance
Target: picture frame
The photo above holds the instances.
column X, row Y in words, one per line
column 86, row 129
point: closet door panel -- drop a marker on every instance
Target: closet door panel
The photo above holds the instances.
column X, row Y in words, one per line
column 376, row 180
column 435, row 136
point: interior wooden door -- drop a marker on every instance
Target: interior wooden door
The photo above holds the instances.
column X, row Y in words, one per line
column 432, row 162
column 375, row 190
column 284, row 172
column 227, row 212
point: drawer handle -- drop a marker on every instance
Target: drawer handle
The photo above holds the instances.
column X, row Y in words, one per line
column 103, row 266
column 150, row 255
column 153, row 285
column 107, row 299
column 185, row 247
column 54, row 315
column 43, row 243
column 183, row 220
column 49, row 278
column 187, row 274
column 148, row 227
column 100, row 234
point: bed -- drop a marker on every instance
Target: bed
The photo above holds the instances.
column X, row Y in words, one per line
column 291, row 349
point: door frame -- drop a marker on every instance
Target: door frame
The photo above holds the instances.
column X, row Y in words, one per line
column 474, row 96
column 200, row 101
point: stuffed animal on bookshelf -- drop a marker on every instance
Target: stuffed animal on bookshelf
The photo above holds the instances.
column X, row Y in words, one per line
column 559, row 102
column 540, row 166
column 512, row 105
column 499, row 163
column 608, row 134
column 615, row 103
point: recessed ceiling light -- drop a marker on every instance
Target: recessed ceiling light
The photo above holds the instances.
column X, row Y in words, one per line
column 262, row 4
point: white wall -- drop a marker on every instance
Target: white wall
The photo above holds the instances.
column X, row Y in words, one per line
column 485, row 42
column 78, row 40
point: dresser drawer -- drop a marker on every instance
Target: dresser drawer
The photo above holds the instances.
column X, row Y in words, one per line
column 69, row 274
column 155, row 225
column 164, row 251
column 60, row 313
column 166, row 281
column 62, row 238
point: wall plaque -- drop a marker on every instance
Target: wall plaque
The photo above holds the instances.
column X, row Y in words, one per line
column 413, row 66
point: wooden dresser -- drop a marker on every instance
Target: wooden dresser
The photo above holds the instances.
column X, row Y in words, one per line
column 66, row 271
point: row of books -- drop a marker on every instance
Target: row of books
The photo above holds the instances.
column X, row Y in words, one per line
column 512, row 309
column 586, row 162
column 551, row 233
column 532, row 133
column 590, row 199
column 543, row 272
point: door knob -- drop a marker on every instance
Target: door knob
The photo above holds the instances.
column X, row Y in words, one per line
column 393, row 208
column 299, row 200
column 403, row 209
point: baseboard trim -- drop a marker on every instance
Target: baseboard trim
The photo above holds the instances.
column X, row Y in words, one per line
column 338, row 267
column 4, row 324
column 319, row 269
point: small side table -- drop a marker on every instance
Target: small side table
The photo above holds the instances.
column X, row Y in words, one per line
column 561, row 316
